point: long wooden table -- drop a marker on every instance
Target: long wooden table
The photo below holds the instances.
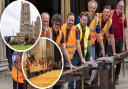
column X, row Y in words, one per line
column 105, row 74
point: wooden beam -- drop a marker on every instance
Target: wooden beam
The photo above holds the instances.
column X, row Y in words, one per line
column 122, row 55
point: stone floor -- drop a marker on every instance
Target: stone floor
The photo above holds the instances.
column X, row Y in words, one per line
column 6, row 82
column 123, row 82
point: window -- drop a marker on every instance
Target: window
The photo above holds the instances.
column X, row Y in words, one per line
column 26, row 28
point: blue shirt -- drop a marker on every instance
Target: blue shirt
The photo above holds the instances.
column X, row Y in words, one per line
column 14, row 55
column 78, row 20
column 98, row 28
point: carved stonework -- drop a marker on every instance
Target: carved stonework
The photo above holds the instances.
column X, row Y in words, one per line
column 2, row 49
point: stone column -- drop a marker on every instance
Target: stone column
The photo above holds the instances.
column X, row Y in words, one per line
column 1, row 48
column 65, row 9
column 2, row 6
column 2, row 44
column 4, row 50
column 44, row 49
column 62, row 10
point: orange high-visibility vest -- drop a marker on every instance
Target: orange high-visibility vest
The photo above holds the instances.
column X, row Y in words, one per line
column 46, row 33
column 71, row 42
column 59, row 37
column 105, row 29
column 20, row 76
column 92, row 27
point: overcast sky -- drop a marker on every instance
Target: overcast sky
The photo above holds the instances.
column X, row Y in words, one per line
column 10, row 20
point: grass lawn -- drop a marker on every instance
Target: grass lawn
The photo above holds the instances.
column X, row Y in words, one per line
column 21, row 47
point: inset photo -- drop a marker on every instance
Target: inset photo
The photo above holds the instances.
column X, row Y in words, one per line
column 20, row 25
column 43, row 64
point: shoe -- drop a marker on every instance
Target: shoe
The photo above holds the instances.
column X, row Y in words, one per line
column 117, row 82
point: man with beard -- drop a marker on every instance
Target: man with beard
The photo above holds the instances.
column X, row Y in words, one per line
column 107, row 32
column 120, row 32
column 83, row 33
column 58, row 37
column 72, row 43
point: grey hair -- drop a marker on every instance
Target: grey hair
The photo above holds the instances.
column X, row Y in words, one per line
column 92, row 1
column 45, row 13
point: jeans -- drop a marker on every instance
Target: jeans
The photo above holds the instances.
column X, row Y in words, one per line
column 119, row 47
column 97, row 50
column 71, row 85
column 91, row 51
column 109, row 51
column 76, row 62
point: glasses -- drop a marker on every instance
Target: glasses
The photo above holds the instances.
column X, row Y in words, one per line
column 57, row 24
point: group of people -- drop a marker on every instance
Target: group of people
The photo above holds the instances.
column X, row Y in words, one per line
column 36, row 68
column 94, row 35
column 28, row 40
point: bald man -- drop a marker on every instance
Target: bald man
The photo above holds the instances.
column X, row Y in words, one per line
column 120, row 33
column 45, row 25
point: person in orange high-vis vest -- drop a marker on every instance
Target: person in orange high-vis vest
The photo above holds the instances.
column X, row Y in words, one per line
column 95, row 30
column 58, row 36
column 72, row 43
column 17, row 74
column 45, row 25
column 107, row 32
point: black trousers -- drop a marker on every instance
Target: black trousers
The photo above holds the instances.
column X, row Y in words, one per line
column 119, row 47
column 57, row 86
column 108, row 50
column 98, row 48
column 20, row 85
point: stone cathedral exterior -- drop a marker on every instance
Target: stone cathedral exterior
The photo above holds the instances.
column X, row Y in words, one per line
column 31, row 29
